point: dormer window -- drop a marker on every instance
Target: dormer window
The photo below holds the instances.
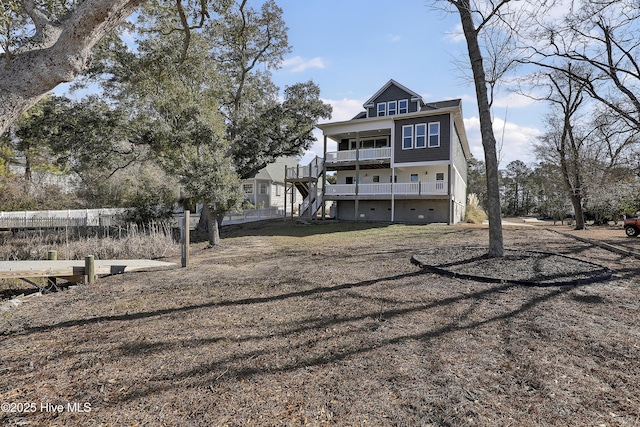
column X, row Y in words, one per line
column 403, row 106
column 393, row 108
column 382, row 109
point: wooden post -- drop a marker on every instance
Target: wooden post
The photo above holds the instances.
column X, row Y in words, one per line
column 52, row 281
column 89, row 270
column 185, row 230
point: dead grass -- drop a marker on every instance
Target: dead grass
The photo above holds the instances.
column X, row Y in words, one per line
column 330, row 324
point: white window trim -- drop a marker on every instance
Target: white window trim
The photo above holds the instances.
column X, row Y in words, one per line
column 248, row 185
column 384, row 110
column 403, row 137
column 263, row 186
column 424, row 136
column 433, row 134
column 400, row 109
column 395, row 108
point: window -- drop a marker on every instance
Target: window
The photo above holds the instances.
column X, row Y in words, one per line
column 414, row 177
column 376, row 178
column 434, row 134
column 421, row 136
column 247, row 188
column 382, row 142
column 263, row 188
column 440, row 181
column 382, row 109
column 278, row 192
column 403, row 106
column 393, row 106
column 407, row 137
column 348, row 180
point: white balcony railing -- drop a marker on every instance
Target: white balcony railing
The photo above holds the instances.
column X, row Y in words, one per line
column 364, row 154
column 403, row 188
column 312, row 170
column 341, row 190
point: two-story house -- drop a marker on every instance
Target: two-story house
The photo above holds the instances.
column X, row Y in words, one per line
column 400, row 160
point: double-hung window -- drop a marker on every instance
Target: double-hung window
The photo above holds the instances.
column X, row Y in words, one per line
column 263, row 188
column 434, row 135
column 382, row 109
column 421, row 135
column 403, row 106
column 392, row 108
column 407, row 137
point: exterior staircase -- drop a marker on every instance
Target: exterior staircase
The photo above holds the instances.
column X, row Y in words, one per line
column 306, row 180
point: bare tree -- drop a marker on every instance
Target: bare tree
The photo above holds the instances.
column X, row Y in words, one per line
column 475, row 23
column 601, row 40
column 564, row 144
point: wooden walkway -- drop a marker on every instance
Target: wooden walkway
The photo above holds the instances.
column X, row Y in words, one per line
column 25, row 269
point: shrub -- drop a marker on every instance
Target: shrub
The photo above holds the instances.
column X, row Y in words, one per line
column 474, row 213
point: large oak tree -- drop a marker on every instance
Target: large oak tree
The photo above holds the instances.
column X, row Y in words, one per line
column 48, row 43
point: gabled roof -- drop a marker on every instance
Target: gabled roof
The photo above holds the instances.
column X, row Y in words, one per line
column 275, row 171
column 414, row 96
column 441, row 104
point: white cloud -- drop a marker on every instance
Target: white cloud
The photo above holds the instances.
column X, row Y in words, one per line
column 514, row 141
column 393, row 38
column 455, row 35
column 298, row 64
column 343, row 110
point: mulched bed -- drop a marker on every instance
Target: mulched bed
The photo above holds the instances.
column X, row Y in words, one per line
column 517, row 266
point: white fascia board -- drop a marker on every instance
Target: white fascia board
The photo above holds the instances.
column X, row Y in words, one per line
column 359, row 125
column 421, row 164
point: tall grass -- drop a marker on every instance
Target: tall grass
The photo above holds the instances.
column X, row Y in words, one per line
column 474, row 213
column 151, row 241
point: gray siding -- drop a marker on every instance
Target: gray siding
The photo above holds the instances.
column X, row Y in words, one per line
column 368, row 210
column 424, row 154
column 392, row 93
column 410, row 211
column 422, row 211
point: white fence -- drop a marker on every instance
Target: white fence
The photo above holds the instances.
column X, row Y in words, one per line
column 59, row 218
column 251, row 215
column 108, row 217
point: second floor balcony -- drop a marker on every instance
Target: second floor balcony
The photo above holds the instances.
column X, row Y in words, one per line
column 438, row 188
column 364, row 154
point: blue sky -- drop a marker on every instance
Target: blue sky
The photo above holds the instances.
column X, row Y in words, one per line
column 351, row 48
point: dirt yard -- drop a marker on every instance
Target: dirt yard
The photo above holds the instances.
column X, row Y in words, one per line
column 330, row 324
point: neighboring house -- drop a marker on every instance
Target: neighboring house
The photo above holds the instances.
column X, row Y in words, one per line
column 267, row 188
column 400, row 160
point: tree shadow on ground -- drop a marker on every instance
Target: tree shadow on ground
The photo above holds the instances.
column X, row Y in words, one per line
column 291, row 228
column 235, row 370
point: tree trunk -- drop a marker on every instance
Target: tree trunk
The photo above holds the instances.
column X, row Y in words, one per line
column 214, row 232
column 57, row 53
column 496, row 248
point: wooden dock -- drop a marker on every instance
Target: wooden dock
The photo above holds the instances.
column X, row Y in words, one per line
column 50, row 268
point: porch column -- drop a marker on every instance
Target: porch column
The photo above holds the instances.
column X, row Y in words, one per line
column 393, row 186
column 450, row 194
column 285, row 192
column 324, row 179
column 357, row 206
